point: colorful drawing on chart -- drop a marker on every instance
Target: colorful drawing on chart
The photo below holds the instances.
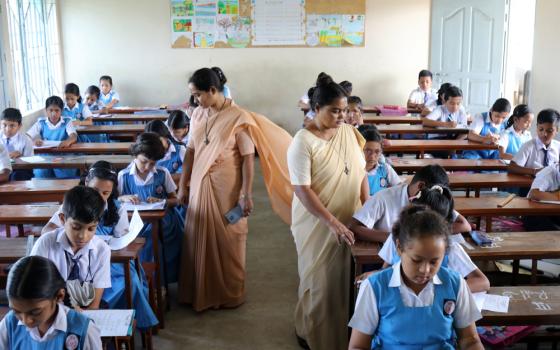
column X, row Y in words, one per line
column 205, row 8
column 182, row 8
column 204, row 24
column 234, row 30
column 324, row 30
column 203, row 40
column 353, row 28
column 182, row 25
column 228, row 7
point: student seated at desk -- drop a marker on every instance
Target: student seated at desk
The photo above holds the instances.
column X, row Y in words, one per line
column 103, row 178
column 174, row 151
column 92, row 100
column 424, row 94
column 449, row 114
column 17, row 143
column 304, row 101
column 54, row 128
column 75, row 109
column 82, row 258
column 374, row 221
column 354, row 115
column 440, row 200
column 545, row 187
column 380, row 174
column 416, row 304
column 38, row 319
column 144, row 181
column 109, row 97
column 347, row 86
column 516, row 132
column 5, row 165
column 542, row 151
column 179, row 124
column 486, row 128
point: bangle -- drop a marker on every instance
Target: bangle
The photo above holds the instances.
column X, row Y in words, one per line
column 245, row 195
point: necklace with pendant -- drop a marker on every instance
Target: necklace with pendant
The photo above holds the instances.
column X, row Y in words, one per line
column 206, row 130
column 346, row 170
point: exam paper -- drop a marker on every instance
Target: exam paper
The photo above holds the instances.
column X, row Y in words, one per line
column 136, row 225
column 550, row 202
column 48, row 144
column 32, row 159
column 112, row 323
column 491, row 302
column 145, row 206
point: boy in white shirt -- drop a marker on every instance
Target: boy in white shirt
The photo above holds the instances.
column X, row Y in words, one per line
column 424, row 94
column 16, row 143
column 545, row 187
column 449, row 114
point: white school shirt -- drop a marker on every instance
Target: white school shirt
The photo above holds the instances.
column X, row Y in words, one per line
column 530, row 155
column 4, row 159
column 35, row 130
column 441, row 114
column 92, row 340
column 548, row 179
column 115, row 95
column 366, row 314
column 86, row 112
column 131, row 169
column 458, row 260
column 504, row 137
column 392, row 177
column 55, row 246
column 382, row 209
column 172, row 148
column 417, row 96
column 20, row 143
column 121, row 228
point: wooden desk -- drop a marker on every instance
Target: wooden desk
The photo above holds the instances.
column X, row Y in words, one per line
column 531, row 305
column 131, row 110
column 401, row 129
column 36, row 190
column 413, row 165
column 368, row 110
column 72, row 162
column 389, row 119
column 422, row 146
column 131, row 118
column 135, row 129
column 89, row 148
column 488, row 206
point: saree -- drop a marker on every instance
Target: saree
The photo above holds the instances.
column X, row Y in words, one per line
column 321, row 314
column 213, row 256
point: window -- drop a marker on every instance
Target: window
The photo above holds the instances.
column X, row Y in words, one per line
column 3, row 77
column 35, row 51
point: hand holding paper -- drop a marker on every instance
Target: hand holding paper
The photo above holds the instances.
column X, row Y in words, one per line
column 136, row 225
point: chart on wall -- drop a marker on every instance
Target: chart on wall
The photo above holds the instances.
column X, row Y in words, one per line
column 267, row 23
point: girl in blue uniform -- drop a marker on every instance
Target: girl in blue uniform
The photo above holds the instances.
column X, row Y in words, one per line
column 486, row 128
column 516, row 131
column 144, row 181
column 38, row 319
column 416, row 291
column 54, row 127
column 179, row 123
column 108, row 97
column 78, row 111
column 174, row 151
column 381, row 175
column 114, row 222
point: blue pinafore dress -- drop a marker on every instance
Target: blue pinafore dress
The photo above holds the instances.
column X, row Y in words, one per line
column 486, row 129
column 379, row 180
column 58, row 134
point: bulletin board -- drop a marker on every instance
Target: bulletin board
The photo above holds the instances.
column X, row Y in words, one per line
column 267, row 23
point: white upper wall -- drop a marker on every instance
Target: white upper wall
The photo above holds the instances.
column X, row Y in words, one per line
column 130, row 40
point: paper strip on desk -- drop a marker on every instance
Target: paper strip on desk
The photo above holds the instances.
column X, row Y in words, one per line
column 136, row 225
column 144, row 206
column 48, row 144
column 32, row 159
column 491, row 302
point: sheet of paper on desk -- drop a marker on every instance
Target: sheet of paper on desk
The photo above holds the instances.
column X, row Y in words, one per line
column 101, row 115
column 48, row 144
column 550, row 202
column 505, row 161
column 32, row 159
column 112, row 323
column 491, row 302
column 145, row 206
column 136, row 225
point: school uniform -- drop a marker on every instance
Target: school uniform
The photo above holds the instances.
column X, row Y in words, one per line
column 115, row 295
column 105, row 99
column 80, row 112
column 420, row 96
column 158, row 184
column 173, row 159
column 19, row 143
column 441, row 114
column 5, row 162
column 382, row 210
column 53, row 132
column 381, row 177
column 68, row 327
column 96, row 106
column 547, row 180
column 389, row 310
column 511, row 141
column 534, row 154
column 455, row 259
column 482, row 125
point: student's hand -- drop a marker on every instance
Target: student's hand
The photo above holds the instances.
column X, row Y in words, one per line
column 183, row 197
column 64, row 144
column 15, row 154
column 130, row 198
column 342, row 233
column 38, row 142
column 492, row 139
column 104, row 110
column 153, row 200
column 246, row 203
column 452, row 124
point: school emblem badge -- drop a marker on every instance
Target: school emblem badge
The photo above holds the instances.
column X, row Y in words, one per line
column 175, row 165
column 71, row 342
column 448, row 306
column 383, row 182
column 159, row 189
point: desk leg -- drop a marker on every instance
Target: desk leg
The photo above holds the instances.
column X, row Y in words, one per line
column 422, row 154
column 352, row 292
column 127, row 284
column 488, row 224
column 534, row 271
column 477, row 193
column 159, row 296
column 514, row 272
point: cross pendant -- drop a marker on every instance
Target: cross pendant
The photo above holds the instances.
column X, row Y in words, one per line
column 346, row 170
column 206, row 142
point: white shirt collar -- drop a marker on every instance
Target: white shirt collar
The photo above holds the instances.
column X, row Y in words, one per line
column 72, row 109
column 54, row 126
column 540, row 144
column 59, row 324
column 107, row 94
column 396, row 278
column 134, row 172
column 404, row 194
column 62, row 239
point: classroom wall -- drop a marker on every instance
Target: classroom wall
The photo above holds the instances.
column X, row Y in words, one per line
column 130, row 40
column 546, row 56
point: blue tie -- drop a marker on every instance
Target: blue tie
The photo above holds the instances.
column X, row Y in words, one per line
column 450, row 117
column 75, row 271
column 545, row 159
column 425, row 97
column 9, row 146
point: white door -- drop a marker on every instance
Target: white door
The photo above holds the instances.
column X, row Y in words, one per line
column 467, row 48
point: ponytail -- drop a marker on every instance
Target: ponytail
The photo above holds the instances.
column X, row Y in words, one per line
column 518, row 112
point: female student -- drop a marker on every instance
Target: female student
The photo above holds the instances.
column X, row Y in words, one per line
column 179, row 123
column 516, row 131
column 354, row 114
column 486, row 128
column 436, row 102
column 109, row 97
column 144, row 181
column 74, row 108
column 174, row 151
column 54, row 128
column 449, row 114
column 92, row 100
column 440, row 199
column 380, row 174
column 38, row 319
column 545, row 187
column 114, row 222
column 416, row 291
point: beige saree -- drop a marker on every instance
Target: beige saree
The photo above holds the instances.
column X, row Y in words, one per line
column 213, row 256
column 321, row 314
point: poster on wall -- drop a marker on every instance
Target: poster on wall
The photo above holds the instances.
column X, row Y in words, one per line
column 335, row 30
column 278, row 22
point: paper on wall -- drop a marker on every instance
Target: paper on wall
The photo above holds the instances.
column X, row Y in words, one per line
column 278, row 22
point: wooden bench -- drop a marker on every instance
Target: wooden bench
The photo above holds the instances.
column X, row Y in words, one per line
column 402, row 165
column 72, row 162
column 422, row 146
column 89, row 148
column 134, row 129
column 130, row 118
column 400, row 130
